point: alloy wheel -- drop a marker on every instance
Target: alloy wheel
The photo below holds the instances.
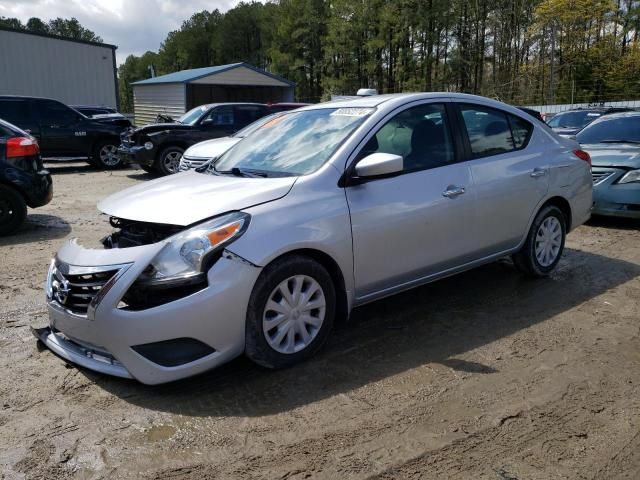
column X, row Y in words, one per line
column 548, row 241
column 109, row 155
column 171, row 161
column 294, row 314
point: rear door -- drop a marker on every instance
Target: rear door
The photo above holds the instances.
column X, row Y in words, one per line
column 18, row 111
column 247, row 114
column 510, row 177
column 63, row 131
column 420, row 222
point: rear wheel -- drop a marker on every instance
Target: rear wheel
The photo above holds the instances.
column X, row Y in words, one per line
column 13, row 210
column 290, row 313
column 543, row 248
column 168, row 161
column 105, row 156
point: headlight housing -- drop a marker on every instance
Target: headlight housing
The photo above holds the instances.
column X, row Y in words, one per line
column 630, row 176
column 188, row 255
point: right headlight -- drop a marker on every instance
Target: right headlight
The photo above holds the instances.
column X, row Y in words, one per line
column 187, row 255
column 630, row 176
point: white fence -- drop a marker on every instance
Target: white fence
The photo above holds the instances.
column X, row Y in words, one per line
column 569, row 106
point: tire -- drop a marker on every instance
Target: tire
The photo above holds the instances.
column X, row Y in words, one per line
column 168, row 162
column 262, row 344
column 105, row 155
column 547, row 234
column 13, row 210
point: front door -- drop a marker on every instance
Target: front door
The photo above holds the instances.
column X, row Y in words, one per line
column 61, row 130
column 419, row 223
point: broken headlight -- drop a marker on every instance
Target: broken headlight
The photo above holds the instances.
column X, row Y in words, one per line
column 188, row 255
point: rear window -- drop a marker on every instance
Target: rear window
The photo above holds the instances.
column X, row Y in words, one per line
column 14, row 111
column 492, row 132
column 612, row 130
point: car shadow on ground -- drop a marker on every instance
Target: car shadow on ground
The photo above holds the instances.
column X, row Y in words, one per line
column 80, row 168
column 615, row 223
column 36, row 228
column 429, row 325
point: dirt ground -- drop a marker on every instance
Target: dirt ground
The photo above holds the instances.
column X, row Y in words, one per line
column 486, row 375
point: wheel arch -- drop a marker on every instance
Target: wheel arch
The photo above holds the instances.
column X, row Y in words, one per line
column 564, row 206
column 334, row 270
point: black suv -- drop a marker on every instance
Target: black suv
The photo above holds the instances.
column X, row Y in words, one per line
column 159, row 147
column 23, row 180
column 63, row 132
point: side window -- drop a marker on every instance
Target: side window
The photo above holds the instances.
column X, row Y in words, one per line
column 521, row 130
column 221, row 116
column 488, row 129
column 421, row 135
column 55, row 113
column 14, row 111
column 246, row 114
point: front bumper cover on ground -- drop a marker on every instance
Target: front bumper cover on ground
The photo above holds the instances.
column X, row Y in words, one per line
column 104, row 338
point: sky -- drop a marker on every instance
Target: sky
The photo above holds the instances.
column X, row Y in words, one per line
column 135, row 26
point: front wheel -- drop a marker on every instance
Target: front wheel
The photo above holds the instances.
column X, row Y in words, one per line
column 168, row 161
column 106, row 156
column 13, row 210
column 544, row 245
column 290, row 313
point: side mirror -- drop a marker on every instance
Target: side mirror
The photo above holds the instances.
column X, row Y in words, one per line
column 379, row 164
column 207, row 122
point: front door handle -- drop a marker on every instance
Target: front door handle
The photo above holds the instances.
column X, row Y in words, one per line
column 453, row 191
column 538, row 172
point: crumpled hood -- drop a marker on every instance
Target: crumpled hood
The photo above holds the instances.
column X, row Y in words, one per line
column 189, row 197
column 614, row 155
column 211, row 148
column 160, row 127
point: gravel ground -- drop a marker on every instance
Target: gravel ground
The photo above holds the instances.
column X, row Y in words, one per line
column 486, row 375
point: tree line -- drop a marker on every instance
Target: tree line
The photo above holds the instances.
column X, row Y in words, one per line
column 524, row 52
column 63, row 27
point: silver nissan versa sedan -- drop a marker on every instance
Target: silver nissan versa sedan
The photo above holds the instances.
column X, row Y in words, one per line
column 311, row 215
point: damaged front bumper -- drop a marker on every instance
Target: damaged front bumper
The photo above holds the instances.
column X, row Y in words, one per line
column 91, row 325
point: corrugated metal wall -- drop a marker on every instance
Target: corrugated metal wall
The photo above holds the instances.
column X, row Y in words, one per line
column 71, row 72
column 150, row 100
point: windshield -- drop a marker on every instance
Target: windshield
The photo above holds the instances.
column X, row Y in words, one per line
column 612, row 130
column 254, row 126
column 297, row 143
column 573, row 119
column 192, row 116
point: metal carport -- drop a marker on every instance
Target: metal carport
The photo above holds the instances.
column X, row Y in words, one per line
column 175, row 93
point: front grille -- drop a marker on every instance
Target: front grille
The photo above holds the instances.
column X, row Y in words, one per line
column 601, row 175
column 189, row 163
column 74, row 288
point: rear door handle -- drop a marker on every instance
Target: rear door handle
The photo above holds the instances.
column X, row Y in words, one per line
column 453, row 191
column 538, row 172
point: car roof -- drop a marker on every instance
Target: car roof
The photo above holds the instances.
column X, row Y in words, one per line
column 393, row 100
column 611, row 116
column 218, row 104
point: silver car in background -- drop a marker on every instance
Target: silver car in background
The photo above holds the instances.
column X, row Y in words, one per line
column 328, row 208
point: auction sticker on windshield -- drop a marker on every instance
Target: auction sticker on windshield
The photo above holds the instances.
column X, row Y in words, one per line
column 352, row 112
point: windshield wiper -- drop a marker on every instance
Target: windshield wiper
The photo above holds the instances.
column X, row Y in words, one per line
column 620, row 141
column 241, row 172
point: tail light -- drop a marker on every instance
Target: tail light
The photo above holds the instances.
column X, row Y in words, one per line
column 22, row 147
column 582, row 155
